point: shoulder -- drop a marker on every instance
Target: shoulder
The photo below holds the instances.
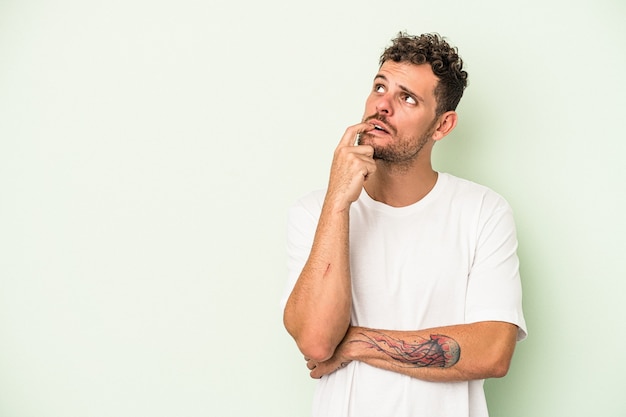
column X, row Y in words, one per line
column 308, row 206
column 464, row 191
column 311, row 201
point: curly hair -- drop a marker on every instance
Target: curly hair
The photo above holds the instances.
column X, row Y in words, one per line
column 444, row 60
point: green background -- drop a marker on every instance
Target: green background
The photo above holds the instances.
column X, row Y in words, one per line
column 149, row 151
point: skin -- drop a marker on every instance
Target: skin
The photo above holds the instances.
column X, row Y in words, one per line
column 393, row 166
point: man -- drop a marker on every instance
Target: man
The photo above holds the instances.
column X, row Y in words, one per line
column 404, row 292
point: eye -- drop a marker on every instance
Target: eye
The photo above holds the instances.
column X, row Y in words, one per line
column 409, row 99
column 379, row 88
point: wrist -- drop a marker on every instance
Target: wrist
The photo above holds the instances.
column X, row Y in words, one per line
column 337, row 205
column 351, row 345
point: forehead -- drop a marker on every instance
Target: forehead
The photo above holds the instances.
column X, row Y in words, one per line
column 417, row 78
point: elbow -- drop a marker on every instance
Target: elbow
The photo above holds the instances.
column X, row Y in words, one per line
column 499, row 367
column 311, row 344
column 316, row 351
column 500, row 354
column 314, row 346
column 486, row 370
column 500, row 370
column 489, row 366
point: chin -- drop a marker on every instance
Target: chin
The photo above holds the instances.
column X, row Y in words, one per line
column 373, row 140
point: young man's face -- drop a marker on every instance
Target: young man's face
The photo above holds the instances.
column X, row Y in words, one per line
column 402, row 105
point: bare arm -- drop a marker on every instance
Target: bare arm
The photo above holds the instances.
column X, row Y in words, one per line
column 317, row 314
column 452, row 353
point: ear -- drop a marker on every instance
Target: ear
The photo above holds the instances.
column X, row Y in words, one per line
column 445, row 124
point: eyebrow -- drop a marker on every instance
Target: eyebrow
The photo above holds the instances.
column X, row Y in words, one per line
column 401, row 87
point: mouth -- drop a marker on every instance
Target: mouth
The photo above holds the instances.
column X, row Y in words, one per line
column 379, row 126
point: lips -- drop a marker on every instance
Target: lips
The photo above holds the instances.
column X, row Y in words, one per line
column 379, row 126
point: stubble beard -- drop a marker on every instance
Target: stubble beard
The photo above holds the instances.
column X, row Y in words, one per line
column 402, row 151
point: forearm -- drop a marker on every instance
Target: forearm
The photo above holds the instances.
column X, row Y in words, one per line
column 317, row 313
column 451, row 353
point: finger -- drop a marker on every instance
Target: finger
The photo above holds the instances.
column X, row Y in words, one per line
column 349, row 154
column 349, row 137
column 366, row 151
column 365, row 154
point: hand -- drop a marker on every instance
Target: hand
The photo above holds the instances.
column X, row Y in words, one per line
column 319, row 369
column 339, row 360
column 350, row 168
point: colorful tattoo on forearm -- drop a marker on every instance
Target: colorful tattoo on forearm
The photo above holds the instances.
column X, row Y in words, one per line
column 438, row 352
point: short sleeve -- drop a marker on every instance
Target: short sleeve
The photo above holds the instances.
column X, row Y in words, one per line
column 494, row 290
column 302, row 220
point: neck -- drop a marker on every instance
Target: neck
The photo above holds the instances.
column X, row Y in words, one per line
column 400, row 186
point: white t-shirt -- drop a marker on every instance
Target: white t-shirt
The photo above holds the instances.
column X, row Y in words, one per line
column 448, row 259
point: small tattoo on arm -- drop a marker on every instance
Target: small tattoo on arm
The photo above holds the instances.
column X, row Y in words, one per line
column 343, row 365
column 437, row 352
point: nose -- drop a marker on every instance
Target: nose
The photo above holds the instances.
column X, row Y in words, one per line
column 384, row 106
